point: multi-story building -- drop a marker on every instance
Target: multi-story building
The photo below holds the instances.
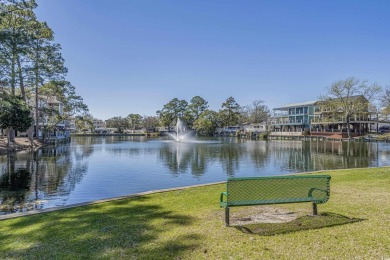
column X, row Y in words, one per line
column 293, row 119
column 99, row 126
column 98, row 123
column 58, row 129
column 316, row 118
column 72, row 125
column 333, row 122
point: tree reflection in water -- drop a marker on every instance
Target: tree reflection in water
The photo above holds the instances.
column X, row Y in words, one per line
column 28, row 179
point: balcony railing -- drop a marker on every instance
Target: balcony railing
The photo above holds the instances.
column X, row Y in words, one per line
column 330, row 131
column 288, row 122
column 290, row 114
column 339, row 119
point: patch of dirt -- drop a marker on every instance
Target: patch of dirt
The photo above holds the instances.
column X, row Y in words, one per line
column 21, row 143
column 262, row 214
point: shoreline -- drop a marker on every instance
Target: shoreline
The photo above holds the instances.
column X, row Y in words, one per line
column 150, row 192
column 20, row 144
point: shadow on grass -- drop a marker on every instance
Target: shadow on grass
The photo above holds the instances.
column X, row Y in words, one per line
column 132, row 228
column 303, row 223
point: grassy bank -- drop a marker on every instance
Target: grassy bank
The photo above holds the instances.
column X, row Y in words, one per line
column 188, row 224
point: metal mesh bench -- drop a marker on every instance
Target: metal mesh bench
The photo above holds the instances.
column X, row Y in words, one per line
column 275, row 190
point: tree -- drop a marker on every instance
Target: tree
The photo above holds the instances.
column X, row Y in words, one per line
column 150, row 122
column 60, row 93
column 230, row 112
column 47, row 65
column 172, row 110
column 30, row 59
column 134, row 120
column 118, row 122
column 14, row 113
column 84, row 122
column 206, row 124
column 196, row 107
column 257, row 112
column 349, row 97
column 385, row 101
column 17, row 20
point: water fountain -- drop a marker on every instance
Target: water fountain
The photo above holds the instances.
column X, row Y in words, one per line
column 185, row 135
column 181, row 134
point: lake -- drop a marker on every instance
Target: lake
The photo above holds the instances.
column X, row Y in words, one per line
column 92, row 168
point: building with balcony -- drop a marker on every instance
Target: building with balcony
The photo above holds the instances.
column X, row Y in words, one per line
column 48, row 107
column 332, row 122
column 293, row 119
column 318, row 119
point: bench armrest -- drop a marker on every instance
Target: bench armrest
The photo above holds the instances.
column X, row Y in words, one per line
column 221, row 202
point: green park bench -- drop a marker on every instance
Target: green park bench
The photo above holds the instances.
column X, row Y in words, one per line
column 275, row 190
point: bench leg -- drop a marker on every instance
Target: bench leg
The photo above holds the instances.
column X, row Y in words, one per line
column 227, row 220
column 315, row 212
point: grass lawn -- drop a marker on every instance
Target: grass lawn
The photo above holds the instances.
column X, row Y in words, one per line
column 188, row 224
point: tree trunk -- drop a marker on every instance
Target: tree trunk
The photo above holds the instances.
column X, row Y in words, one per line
column 13, row 74
column 8, row 136
column 30, row 134
column 36, row 71
column 11, row 134
column 348, row 127
column 36, row 176
column 377, row 123
column 36, row 112
column 21, row 81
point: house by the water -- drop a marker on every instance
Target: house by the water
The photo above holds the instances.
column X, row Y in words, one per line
column 316, row 119
column 49, row 128
column 293, row 119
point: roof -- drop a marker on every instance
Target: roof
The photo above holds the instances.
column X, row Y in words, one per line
column 312, row 103
column 301, row 104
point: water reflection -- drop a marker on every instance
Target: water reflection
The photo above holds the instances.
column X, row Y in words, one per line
column 95, row 168
column 181, row 158
column 29, row 179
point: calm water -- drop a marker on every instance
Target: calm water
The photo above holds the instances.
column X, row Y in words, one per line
column 92, row 168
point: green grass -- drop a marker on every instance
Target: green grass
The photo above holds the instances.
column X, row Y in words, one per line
column 188, row 224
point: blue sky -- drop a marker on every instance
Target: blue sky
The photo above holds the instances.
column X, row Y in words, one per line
column 129, row 56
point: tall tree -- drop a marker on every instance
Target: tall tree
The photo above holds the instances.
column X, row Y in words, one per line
column 349, row 97
column 29, row 59
column 385, row 101
column 47, row 64
column 135, row 121
column 257, row 112
column 230, row 112
column 172, row 110
column 150, row 122
column 117, row 122
column 206, row 123
column 196, row 107
column 383, row 108
column 17, row 20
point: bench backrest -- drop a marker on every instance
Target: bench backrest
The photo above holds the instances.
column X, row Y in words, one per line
column 278, row 189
